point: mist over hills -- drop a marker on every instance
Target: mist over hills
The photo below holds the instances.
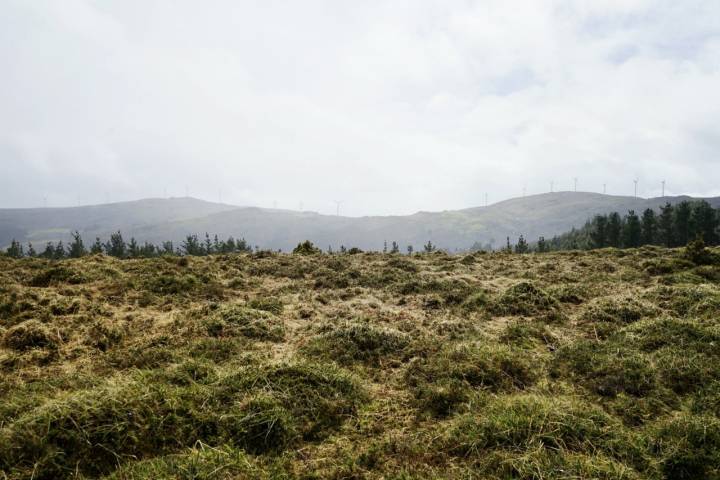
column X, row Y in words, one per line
column 156, row 220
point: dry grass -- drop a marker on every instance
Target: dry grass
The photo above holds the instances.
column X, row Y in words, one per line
column 602, row 364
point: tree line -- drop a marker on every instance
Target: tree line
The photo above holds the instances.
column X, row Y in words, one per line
column 117, row 247
column 674, row 226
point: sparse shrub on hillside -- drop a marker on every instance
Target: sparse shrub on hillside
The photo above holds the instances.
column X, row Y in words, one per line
column 527, row 334
column 28, row 335
column 698, row 253
column 306, row 248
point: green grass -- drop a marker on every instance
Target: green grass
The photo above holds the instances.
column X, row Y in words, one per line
column 574, row 365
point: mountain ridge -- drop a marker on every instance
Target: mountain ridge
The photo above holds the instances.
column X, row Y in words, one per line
column 157, row 219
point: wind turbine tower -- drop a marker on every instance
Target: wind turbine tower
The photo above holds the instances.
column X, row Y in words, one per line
column 663, row 188
column 575, row 183
column 337, row 207
column 636, row 183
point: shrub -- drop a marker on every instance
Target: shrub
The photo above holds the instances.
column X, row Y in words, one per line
column 306, row 248
column 27, row 335
column 605, row 316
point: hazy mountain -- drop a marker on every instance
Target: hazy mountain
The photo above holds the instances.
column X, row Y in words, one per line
column 172, row 219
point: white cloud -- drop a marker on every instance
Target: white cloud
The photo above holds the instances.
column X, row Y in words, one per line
column 392, row 106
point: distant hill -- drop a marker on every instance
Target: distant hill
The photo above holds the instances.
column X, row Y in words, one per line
column 172, row 219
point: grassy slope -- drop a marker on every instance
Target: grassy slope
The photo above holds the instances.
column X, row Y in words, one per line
column 603, row 364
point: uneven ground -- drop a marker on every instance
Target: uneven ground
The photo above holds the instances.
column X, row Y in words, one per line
column 571, row 365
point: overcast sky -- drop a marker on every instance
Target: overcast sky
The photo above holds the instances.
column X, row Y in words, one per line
column 387, row 106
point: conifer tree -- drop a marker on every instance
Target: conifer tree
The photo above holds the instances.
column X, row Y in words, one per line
column 429, row 247
column 384, row 246
column 116, row 247
column 614, row 230
column 49, row 251
column 704, row 221
column 410, row 249
column 96, row 247
column 191, row 245
column 15, row 250
column 599, row 233
column 522, row 246
column 542, row 246
column 208, row 245
column 395, row 247
column 666, row 225
column 76, row 249
column 31, row 251
column 167, row 248
column 59, row 253
column 648, row 227
column 683, row 211
column 631, row 230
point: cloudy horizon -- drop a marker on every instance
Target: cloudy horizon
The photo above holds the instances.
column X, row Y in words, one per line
column 389, row 107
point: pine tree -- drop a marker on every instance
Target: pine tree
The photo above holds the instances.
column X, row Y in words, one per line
column 666, row 225
column 76, row 249
column 598, row 233
column 31, row 251
column 542, row 246
column 208, row 245
column 631, row 230
column 15, row 250
column 649, row 227
column 395, row 247
column 704, row 220
column 49, row 251
column 116, row 247
column 522, row 246
column 410, row 249
column 216, row 245
column 167, row 248
column 683, row 211
column 614, row 230
column 59, row 253
column 133, row 248
column 97, row 247
column 429, row 247
column 384, row 246
column 191, row 245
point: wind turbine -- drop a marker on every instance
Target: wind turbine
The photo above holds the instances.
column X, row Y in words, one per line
column 337, row 206
column 636, row 183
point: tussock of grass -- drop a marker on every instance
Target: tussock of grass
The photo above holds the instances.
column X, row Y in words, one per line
column 526, row 299
column 27, row 335
column 230, row 320
column 352, row 342
column 444, row 380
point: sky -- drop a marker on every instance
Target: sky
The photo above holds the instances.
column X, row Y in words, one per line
column 388, row 107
